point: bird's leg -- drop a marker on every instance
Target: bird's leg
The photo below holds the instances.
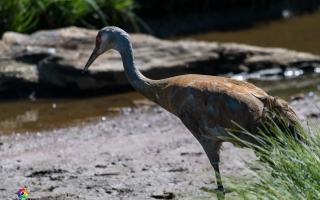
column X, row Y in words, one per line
column 218, row 176
column 212, row 149
column 214, row 157
column 221, row 193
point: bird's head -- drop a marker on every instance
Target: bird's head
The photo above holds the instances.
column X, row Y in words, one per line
column 107, row 38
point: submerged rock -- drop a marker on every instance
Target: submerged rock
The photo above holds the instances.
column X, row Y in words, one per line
column 49, row 63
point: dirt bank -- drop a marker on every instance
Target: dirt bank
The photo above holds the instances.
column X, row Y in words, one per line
column 133, row 156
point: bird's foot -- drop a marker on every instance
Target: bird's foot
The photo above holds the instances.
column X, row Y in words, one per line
column 221, row 193
column 221, row 190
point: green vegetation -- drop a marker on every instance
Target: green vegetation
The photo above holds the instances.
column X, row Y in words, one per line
column 31, row 15
column 290, row 171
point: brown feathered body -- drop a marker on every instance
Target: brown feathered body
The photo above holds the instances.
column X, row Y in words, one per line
column 208, row 105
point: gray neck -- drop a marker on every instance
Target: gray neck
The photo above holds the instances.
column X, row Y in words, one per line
column 142, row 84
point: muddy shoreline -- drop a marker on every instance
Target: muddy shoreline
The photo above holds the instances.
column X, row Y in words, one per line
column 143, row 154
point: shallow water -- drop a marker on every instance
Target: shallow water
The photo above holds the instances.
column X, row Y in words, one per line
column 46, row 114
column 301, row 33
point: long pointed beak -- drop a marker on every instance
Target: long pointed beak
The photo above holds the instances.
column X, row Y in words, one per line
column 92, row 58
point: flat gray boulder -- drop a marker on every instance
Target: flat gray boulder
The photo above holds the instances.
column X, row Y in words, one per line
column 49, row 63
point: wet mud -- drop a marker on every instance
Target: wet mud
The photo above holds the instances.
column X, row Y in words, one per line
column 143, row 154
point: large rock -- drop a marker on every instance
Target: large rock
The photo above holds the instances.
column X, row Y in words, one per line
column 49, row 63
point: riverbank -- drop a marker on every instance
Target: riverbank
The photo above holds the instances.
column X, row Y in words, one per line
column 144, row 153
column 134, row 156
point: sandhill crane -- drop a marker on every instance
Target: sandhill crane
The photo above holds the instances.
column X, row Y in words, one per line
column 206, row 105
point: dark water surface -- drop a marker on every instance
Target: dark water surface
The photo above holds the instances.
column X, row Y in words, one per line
column 301, row 33
column 46, row 114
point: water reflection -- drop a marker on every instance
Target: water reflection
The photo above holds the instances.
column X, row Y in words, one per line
column 317, row 70
column 19, row 120
column 286, row 14
column 293, row 73
column 269, row 74
column 47, row 114
column 285, row 87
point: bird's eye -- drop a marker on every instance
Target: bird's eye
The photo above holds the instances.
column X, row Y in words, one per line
column 98, row 40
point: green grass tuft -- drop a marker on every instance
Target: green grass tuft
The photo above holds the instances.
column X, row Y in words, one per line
column 290, row 169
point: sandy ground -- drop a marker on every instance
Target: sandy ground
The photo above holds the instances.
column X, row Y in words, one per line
column 142, row 154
